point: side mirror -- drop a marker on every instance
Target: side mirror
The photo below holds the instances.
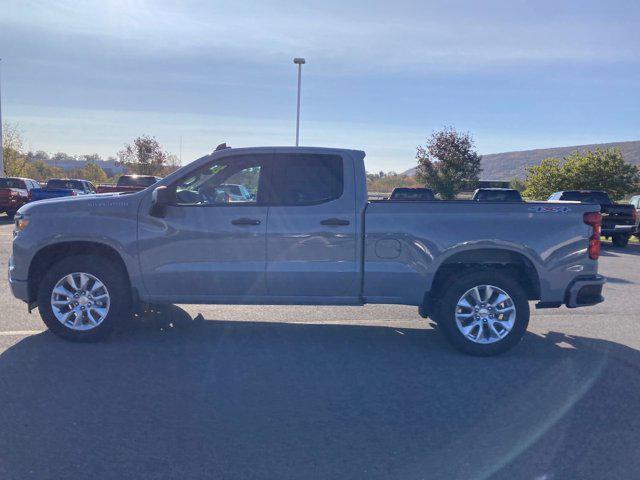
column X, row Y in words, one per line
column 159, row 202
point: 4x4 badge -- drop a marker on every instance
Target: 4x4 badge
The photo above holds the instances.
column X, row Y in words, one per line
column 549, row 209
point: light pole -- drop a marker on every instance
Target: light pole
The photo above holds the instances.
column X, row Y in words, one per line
column 1, row 144
column 299, row 62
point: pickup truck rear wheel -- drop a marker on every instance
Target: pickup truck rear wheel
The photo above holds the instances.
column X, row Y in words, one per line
column 483, row 313
column 620, row 240
column 82, row 297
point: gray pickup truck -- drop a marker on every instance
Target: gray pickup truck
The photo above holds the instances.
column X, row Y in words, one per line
column 305, row 236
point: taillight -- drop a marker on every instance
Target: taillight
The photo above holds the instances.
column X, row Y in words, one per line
column 74, row 193
column 595, row 220
column 635, row 216
column 30, row 195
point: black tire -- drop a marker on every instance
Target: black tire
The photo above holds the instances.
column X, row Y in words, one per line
column 620, row 240
column 110, row 274
column 11, row 215
column 445, row 311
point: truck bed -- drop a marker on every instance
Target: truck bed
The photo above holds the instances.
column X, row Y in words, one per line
column 406, row 242
column 44, row 193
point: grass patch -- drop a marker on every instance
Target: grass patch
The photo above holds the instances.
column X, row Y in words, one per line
column 633, row 239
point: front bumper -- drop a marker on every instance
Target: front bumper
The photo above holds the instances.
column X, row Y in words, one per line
column 585, row 291
column 19, row 288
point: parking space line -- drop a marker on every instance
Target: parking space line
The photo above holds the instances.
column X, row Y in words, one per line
column 19, row 333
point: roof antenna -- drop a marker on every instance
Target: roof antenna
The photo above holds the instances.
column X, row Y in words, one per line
column 222, row 146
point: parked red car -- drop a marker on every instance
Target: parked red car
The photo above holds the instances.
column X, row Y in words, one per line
column 14, row 193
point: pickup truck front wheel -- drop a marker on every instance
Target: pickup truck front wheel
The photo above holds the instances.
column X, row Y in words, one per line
column 82, row 297
column 483, row 313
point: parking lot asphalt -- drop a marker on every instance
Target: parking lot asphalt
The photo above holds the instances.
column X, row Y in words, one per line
column 324, row 392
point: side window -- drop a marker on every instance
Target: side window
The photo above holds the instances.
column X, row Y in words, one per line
column 306, row 179
column 233, row 181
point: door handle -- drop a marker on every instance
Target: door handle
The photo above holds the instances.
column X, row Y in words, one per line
column 334, row 222
column 245, row 221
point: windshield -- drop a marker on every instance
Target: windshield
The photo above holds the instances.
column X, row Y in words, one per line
column 12, row 183
column 64, row 184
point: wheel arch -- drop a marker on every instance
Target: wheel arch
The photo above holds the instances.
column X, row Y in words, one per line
column 510, row 261
column 52, row 253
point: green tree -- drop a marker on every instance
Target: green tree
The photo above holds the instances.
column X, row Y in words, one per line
column 544, row 179
column 15, row 161
column 145, row 156
column 39, row 155
column 385, row 182
column 592, row 170
column 42, row 171
column 92, row 172
column 448, row 162
column 518, row 184
column 93, row 157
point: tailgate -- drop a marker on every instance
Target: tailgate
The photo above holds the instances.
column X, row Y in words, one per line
column 618, row 215
column 5, row 195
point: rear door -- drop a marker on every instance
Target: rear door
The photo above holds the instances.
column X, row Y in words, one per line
column 311, row 229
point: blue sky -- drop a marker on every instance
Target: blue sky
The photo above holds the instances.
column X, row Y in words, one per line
column 84, row 77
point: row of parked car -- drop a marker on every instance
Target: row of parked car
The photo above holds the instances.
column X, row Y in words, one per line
column 16, row 192
column 619, row 221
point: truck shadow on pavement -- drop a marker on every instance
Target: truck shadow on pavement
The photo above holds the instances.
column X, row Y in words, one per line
column 610, row 250
column 183, row 398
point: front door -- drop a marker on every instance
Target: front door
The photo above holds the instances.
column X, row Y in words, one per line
column 211, row 244
column 311, row 231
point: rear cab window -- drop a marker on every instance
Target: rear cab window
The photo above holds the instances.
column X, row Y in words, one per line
column 306, row 179
column 12, row 183
column 65, row 184
column 416, row 194
column 498, row 196
column 600, row 198
column 136, row 181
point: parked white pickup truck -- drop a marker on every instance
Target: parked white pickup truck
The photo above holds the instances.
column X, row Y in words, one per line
column 306, row 234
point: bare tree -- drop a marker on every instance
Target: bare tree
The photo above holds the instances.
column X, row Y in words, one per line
column 145, row 156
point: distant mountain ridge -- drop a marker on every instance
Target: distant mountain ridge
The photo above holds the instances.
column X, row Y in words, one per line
column 510, row 165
